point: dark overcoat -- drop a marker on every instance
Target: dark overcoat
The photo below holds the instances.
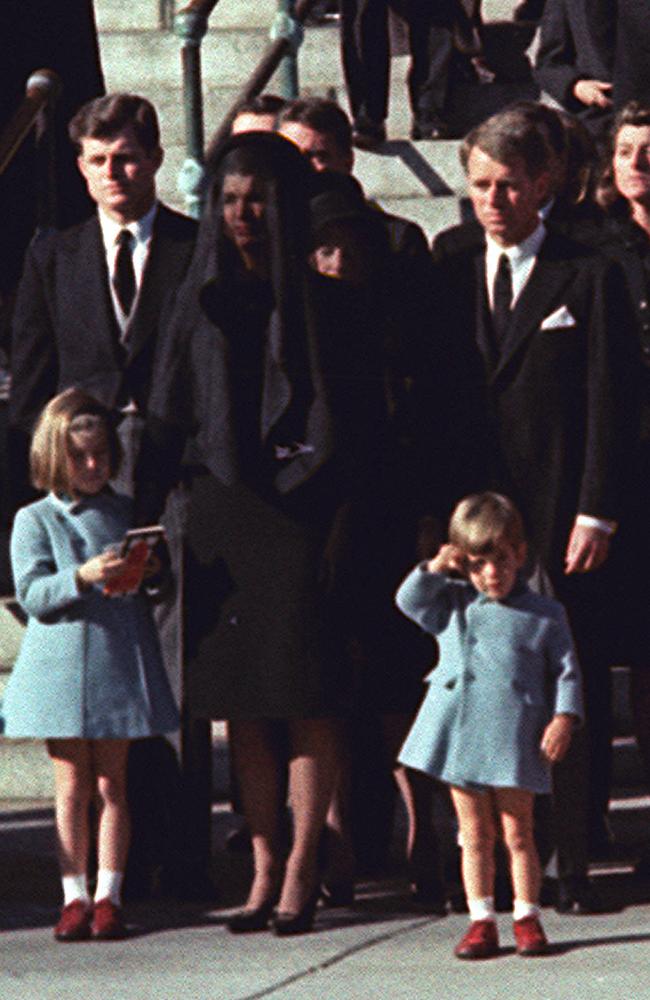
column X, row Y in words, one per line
column 556, row 395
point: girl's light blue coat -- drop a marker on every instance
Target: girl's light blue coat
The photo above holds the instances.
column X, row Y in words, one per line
column 505, row 669
column 89, row 665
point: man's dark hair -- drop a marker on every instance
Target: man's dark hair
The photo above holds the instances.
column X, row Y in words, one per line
column 506, row 137
column 105, row 116
column 263, row 104
column 321, row 115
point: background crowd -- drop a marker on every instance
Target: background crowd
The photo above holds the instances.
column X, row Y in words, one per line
column 303, row 389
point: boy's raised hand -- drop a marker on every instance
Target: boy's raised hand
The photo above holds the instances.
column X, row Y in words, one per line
column 449, row 559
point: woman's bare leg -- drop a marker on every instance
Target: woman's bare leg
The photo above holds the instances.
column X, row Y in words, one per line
column 256, row 750
column 313, row 769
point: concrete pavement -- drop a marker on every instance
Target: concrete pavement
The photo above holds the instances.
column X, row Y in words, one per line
column 380, row 948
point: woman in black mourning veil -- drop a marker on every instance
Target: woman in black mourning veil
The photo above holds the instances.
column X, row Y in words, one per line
column 257, row 392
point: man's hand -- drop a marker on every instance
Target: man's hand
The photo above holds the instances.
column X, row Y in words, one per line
column 593, row 92
column 587, row 549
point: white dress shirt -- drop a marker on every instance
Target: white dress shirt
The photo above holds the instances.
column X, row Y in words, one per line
column 522, row 261
column 142, row 230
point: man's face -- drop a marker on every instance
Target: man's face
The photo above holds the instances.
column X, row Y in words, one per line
column 322, row 150
column 506, row 199
column 120, row 174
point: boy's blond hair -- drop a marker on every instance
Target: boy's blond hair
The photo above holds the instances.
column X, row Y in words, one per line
column 481, row 521
column 72, row 411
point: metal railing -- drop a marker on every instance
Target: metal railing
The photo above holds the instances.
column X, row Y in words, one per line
column 191, row 25
column 36, row 112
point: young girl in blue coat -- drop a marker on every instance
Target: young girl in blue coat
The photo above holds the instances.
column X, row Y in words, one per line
column 500, row 707
column 89, row 676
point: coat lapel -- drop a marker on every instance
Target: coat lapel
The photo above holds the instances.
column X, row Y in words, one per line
column 90, row 297
column 539, row 297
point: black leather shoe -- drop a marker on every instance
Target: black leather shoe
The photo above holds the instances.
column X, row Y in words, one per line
column 428, row 894
column 337, row 893
column 368, row 135
column 433, row 128
column 249, row 920
column 577, row 896
column 297, row 923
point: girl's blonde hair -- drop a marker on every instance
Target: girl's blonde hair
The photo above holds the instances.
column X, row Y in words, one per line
column 481, row 521
column 71, row 412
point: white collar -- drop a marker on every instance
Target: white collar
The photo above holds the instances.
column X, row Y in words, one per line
column 142, row 228
column 522, row 251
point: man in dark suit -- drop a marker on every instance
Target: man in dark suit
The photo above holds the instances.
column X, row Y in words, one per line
column 90, row 298
column 365, row 46
column 87, row 314
column 540, row 325
column 575, row 59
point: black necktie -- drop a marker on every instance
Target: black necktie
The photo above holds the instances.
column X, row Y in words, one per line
column 124, row 276
column 502, row 298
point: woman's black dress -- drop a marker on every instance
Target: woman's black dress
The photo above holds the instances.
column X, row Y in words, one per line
column 271, row 414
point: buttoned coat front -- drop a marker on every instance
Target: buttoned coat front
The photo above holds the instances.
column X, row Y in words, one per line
column 505, row 669
column 89, row 666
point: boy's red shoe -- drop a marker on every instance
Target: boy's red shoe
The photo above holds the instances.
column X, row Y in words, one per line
column 74, row 923
column 530, row 937
column 108, row 924
column 480, row 941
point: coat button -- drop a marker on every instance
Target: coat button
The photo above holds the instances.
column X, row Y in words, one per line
column 233, row 620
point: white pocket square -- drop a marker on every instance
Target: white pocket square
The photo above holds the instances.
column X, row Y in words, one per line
column 561, row 317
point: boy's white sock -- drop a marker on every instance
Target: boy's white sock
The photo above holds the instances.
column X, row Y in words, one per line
column 75, row 887
column 522, row 909
column 481, row 909
column 109, row 886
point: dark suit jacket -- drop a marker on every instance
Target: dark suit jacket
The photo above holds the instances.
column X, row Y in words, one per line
column 632, row 61
column 560, row 425
column 64, row 329
column 576, row 43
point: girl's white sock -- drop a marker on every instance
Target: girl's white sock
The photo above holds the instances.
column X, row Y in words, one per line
column 481, row 909
column 109, row 886
column 75, row 887
column 522, row 909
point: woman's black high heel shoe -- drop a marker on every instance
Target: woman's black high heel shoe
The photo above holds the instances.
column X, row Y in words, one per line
column 297, row 923
column 246, row 921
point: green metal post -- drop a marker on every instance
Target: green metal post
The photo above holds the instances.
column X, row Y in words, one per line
column 191, row 28
column 286, row 26
column 166, row 14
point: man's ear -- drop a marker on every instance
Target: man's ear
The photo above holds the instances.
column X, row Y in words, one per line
column 158, row 155
column 543, row 187
column 522, row 554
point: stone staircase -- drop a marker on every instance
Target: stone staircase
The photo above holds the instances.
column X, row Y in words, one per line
column 422, row 181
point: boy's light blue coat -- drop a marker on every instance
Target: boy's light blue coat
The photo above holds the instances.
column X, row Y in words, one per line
column 505, row 669
column 89, row 665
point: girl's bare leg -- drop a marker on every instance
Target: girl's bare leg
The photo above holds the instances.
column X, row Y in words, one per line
column 109, row 767
column 73, row 790
column 259, row 763
column 313, row 770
